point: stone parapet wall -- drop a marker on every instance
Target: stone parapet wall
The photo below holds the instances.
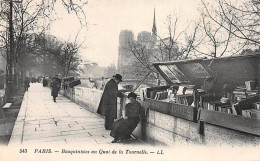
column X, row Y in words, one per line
column 173, row 131
column 219, row 136
column 168, row 130
column 87, row 97
column 68, row 93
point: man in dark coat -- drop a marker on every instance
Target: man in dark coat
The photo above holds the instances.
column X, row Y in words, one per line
column 44, row 82
column 26, row 83
column 55, row 87
column 108, row 103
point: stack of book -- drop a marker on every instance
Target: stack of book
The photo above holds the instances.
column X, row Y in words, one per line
column 253, row 113
column 212, row 105
column 250, row 85
column 251, row 89
column 225, row 109
column 217, row 106
column 189, row 91
column 186, row 99
column 240, row 93
column 251, row 93
column 161, row 95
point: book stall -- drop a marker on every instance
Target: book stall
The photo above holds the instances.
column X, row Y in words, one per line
column 223, row 91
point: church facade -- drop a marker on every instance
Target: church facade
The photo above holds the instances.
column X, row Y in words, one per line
column 146, row 44
column 126, row 59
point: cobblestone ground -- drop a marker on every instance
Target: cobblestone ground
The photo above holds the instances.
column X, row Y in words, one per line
column 42, row 121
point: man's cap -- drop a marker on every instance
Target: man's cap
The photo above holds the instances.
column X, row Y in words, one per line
column 118, row 76
column 132, row 94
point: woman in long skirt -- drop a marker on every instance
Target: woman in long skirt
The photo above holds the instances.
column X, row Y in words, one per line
column 123, row 128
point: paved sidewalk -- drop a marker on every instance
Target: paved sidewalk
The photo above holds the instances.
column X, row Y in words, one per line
column 41, row 121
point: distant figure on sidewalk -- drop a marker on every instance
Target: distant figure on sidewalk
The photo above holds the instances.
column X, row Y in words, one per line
column 26, row 83
column 123, row 128
column 44, row 82
column 58, row 78
column 108, row 103
column 55, row 87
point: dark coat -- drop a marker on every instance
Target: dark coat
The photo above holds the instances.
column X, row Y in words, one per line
column 55, row 87
column 27, row 83
column 45, row 82
column 123, row 128
column 108, row 103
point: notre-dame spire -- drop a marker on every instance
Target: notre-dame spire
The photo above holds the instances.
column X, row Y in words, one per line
column 154, row 30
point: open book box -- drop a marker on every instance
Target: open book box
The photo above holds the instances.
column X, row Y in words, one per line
column 225, row 85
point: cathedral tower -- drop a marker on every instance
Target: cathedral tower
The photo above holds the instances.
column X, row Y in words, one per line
column 154, row 30
column 126, row 38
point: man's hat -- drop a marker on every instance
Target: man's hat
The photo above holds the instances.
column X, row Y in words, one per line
column 118, row 76
column 132, row 94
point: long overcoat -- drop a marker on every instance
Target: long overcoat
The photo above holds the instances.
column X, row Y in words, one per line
column 27, row 83
column 55, row 87
column 108, row 103
column 44, row 82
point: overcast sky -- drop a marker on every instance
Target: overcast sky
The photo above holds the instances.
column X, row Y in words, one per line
column 106, row 18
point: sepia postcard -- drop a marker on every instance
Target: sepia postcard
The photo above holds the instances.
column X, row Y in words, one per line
column 129, row 80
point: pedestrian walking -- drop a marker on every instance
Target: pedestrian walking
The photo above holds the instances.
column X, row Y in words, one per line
column 55, row 87
column 123, row 128
column 44, row 82
column 58, row 78
column 108, row 103
column 26, row 83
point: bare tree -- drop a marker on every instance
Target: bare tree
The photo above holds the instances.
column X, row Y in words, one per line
column 193, row 39
column 56, row 56
column 179, row 44
column 239, row 19
column 141, row 64
column 181, row 40
column 30, row 17
column 217, row 39
column 69, row 60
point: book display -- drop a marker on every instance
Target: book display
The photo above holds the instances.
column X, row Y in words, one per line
column 221, row 91
column 242, row 98
column 171, row 100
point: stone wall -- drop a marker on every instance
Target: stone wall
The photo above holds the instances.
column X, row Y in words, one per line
column 86, row 97
column 163, row 129
column 173, row 131
column 69, row 93
column 168, row 130
column 219, row 136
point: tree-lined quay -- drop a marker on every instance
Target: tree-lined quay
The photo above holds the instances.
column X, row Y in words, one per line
column 209, row 51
